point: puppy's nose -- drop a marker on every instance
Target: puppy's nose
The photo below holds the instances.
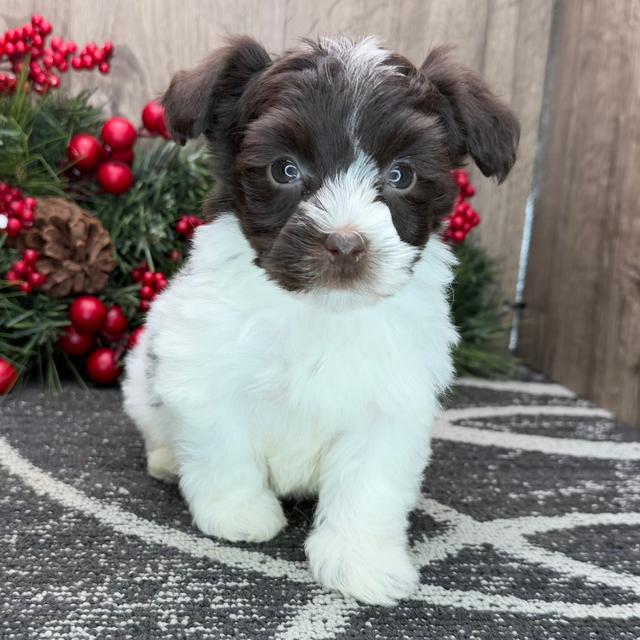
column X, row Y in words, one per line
column 344, row 247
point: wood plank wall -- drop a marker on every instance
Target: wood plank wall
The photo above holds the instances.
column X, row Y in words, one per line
column 504, row 40
column 581, row 324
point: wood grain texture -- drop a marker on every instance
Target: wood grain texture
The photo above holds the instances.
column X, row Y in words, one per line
column 582, row 320
column 504, row 40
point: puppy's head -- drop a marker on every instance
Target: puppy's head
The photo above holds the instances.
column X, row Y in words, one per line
column 336, row 157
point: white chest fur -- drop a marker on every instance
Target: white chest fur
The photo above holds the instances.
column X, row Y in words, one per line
column 294, row 371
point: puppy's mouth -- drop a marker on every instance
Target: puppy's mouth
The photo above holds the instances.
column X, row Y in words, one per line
column 303, row 259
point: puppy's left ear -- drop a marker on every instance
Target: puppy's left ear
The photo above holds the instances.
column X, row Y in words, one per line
column 205, row 99
column 477, row 123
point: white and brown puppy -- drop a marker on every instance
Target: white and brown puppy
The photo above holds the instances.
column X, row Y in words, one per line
column 303, row 346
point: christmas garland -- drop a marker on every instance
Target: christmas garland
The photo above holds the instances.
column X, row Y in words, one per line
column 96, row 214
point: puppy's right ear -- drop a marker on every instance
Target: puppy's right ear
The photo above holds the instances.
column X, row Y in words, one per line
column 205, row 99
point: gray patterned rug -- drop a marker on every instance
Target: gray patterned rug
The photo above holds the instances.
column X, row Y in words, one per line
column 528, row 529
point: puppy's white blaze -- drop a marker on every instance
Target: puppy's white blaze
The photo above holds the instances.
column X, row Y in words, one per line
column 360, row 58
column 365, row 63
column 348, row 202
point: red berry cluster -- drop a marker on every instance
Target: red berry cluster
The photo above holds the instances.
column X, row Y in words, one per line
column 187, row 225
column 463, row 217
column 16, row 212
column 23, row 273
column 93, row 323
column 153, row 119
column 112, row 158
column 28, row 45
column 151, row 284
column 92, row 56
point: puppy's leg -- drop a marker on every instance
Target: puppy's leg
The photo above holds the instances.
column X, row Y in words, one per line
column 224, row 481
column 149, row 417
column 370, row 481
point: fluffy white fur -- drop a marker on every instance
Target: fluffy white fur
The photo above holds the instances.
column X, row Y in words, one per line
column 246, row 392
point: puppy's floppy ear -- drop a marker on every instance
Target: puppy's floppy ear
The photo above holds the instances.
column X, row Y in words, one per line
column 478, row 124
column 204, row 99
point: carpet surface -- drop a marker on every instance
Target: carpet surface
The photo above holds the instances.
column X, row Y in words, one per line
column 529, row 528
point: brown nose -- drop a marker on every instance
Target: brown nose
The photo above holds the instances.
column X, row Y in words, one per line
column 344, row 247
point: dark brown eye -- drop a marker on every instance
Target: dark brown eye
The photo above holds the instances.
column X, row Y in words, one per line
column 401, row 176
column 285, row 171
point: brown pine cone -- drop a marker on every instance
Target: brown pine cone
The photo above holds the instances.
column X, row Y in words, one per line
column 76, row 251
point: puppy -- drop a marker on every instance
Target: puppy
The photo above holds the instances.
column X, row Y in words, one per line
column 303, row 346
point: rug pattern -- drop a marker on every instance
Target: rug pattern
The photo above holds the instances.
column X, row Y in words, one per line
column 528, row 528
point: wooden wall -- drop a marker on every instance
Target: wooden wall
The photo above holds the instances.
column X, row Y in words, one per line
column 504, row 40
column 581, row 324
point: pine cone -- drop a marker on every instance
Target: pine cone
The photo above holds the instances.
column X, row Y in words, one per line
column 76, row 251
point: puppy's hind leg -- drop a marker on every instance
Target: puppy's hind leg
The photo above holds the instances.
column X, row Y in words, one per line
column 149, row 416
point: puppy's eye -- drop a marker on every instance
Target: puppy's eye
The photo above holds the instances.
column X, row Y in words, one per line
column 285, row 171
column 401, row 176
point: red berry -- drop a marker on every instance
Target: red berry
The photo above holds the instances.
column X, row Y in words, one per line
column 135, row 336
column 76, row 63
column 103, row 367
column 123, row 156
column 75, row 343
column 116, row 322
column 144, row 306
column 136, row 274
column 159, row 278
column 148, row 279
column 183, row 227
column 26, row 287
column 21, row 268
column 11, row 276
column 30, row 256
column 459, row 235
column 153, row 117
column 37, row 279
column 85, row 151
column 462, row 178
column 13, row 227
column 457, row 222
column 175, row 255
column 87, row 314
column 16, row 208
column 147, row 293
column 119, row 134
column 8, row 376
column 104, row 68
column 115, row 177
column 28, row 218
column 469, row 191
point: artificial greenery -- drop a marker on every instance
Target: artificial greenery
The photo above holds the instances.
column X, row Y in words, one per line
column 169, row 181
column 476, row 311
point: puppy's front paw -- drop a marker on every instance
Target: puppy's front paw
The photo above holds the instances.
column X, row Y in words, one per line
column 239, row 517
column 371, row 570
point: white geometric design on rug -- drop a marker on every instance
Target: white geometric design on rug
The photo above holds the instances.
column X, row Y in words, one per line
column 326, row 615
